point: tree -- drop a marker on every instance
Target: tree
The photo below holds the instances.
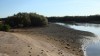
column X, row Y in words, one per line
column 4, row 27
column 38, row 20
column 26, row 20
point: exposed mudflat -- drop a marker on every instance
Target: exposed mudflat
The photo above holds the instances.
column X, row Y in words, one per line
column 54, row 40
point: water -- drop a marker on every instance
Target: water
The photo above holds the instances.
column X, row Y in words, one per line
column 93, row 48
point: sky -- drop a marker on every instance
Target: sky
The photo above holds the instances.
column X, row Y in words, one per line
column 50, row 7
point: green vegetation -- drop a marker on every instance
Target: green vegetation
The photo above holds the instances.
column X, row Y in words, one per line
column 22, row 20
column 33, row 20
column 79, row 19
column 26, row 20
column 0, row 19
column 4, row 27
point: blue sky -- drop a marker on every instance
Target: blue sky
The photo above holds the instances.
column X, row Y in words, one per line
column 50, row 7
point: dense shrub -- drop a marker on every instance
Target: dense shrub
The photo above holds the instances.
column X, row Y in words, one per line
column 79, row 19
column 4, row 27
column 38, row 20
column 26, row 20
column 1, row 27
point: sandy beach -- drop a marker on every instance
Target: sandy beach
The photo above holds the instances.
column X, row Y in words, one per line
column 53, row 40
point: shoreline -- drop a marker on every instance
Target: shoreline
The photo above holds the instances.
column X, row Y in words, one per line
column 55, row 31
column 57, row 39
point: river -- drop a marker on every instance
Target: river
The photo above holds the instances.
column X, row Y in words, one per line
column 93, row 48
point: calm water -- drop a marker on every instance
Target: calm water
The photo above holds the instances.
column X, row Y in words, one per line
column 93, row 48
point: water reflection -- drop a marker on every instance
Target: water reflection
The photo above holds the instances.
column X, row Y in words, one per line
column 87, row 25
column 93, row 45
column 93, row 49
column 94, row 28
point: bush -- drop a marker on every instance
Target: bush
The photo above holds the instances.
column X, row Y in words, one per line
column 4, row 27
column 26, row 20
column 38, row 20
column 1, row 27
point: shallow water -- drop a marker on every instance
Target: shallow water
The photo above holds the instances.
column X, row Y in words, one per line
column 93, row 48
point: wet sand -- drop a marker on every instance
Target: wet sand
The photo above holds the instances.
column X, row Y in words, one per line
column 54, row 40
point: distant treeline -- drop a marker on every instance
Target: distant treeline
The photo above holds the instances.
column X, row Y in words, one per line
column 25, row 20
column 33, row 19
column 81, row 19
